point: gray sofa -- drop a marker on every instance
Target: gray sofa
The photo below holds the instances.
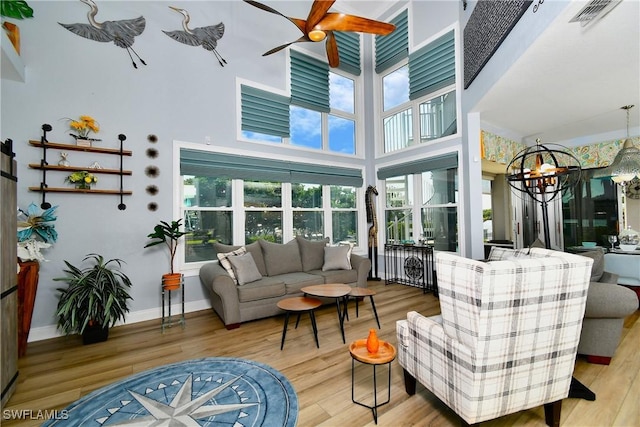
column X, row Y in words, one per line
column 607, row 306
column 283, row 269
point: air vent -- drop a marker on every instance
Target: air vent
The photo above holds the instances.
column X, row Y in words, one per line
column 594, row 10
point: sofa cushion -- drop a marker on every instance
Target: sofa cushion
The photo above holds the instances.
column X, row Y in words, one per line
column 245, row 268
column 294, row 282
column 338, row 276
column 598, row 264
column 267, row 287
column 312, row 253
column 281, row 259
column 224, row 261
column 337, row 258
column 254, row 249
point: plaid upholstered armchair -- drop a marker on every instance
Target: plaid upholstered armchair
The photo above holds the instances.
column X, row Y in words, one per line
column 507, row 336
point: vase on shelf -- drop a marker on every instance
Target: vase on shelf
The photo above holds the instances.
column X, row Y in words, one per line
column 84, row 141
column 83, row 186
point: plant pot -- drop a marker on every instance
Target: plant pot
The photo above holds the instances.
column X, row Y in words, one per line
column 94, row 334
column 83, row 142
column 13, row 32
column 171, row 281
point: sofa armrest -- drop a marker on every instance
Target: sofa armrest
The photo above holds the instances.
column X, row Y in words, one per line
column 610, row 301
column 223, row 292
column 362, row 265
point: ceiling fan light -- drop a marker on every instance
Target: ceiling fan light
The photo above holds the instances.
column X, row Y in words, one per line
column 317, row 35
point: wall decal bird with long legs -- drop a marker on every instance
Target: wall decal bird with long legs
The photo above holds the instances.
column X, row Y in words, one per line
column 321, row 24
column 207, row 37
column 121, row 33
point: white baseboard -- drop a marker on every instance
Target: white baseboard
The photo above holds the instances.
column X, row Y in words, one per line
column 51, row 331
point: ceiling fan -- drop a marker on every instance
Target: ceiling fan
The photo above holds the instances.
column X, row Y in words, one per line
column 320, row 25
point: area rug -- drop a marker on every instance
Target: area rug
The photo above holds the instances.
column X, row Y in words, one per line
column 212, row 391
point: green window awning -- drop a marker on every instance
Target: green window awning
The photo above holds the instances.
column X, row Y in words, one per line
column 264, row 112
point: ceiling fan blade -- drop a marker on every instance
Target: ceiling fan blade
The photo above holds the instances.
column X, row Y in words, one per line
column 279, row 48
column 340, row 22
column 300, row 23
column 332, row 50
column 317, row 13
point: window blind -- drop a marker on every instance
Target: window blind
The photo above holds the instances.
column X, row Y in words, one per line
column 432, row 67
column 349, row 52
column 264, row 112
column 393, row 48
column 309, row 82
column 447, row 161
column 208, row 163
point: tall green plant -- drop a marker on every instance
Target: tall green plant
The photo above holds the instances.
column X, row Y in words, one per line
column 168, row 234
column 95, row 295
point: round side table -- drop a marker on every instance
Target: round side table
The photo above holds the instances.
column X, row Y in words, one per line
column 385, row 355
column 299, row 305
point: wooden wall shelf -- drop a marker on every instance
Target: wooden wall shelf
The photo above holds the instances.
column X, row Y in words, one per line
column 45, row 167
column 79, row 190
column 71, row 147
column 78, row 168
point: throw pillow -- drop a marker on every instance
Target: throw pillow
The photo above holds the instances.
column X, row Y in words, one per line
column 224, row 261
column 254, row 249
column 245, row 268
column 337, row 258
column 597, row 270
column 281, row 259
column 312, row 253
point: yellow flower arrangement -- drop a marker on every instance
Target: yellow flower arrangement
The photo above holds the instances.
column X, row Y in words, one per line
column 82, row 179
column 84, row 126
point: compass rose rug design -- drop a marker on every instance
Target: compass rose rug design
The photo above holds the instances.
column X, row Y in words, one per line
column 213, row 391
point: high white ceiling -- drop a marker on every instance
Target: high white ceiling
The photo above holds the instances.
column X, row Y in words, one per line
column 573, row 80
column 570, row 83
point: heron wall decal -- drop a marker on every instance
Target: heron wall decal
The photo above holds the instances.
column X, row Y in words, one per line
column 207, row 37
column 121, row 33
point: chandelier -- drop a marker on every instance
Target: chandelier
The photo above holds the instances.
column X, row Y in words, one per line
column 626, row 164
column 543, row 172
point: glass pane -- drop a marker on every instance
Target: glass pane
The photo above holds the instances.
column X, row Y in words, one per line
column 345, row 227
column 440, row 228
column 262, row 137
column 395, row 88
column 438, row 117
column 398, row 131
column 590, row 211
column 343, row 197
column 399, row 225
column 206, row 191
column 306, row 127
column 262, row 194
column 265, row 225
column 440, row 187
column 399, row 191
column 306, row 195
column 342, row 135
column 204, row 228
column 341, row 93
column 309, row 225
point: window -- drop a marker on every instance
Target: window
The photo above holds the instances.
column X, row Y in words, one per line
column 344, row 214
column 422, row 204
column 321, row 113
column 263, row 211
column 419, row 96
column 308, row 216
column 208, row 215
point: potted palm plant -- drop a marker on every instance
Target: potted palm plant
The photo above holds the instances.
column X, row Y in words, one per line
column 168, row 234
column 94, row 300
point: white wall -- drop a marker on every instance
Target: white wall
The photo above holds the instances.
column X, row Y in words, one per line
column 181, row 94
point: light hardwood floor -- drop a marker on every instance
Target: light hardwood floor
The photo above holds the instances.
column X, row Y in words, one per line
column 59, row 371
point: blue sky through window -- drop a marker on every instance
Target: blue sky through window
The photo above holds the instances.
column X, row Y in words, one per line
column 395, row 88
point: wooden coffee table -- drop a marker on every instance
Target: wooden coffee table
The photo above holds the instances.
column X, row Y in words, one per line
column 339, row 292
column 385, row 355
column 299, row 305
